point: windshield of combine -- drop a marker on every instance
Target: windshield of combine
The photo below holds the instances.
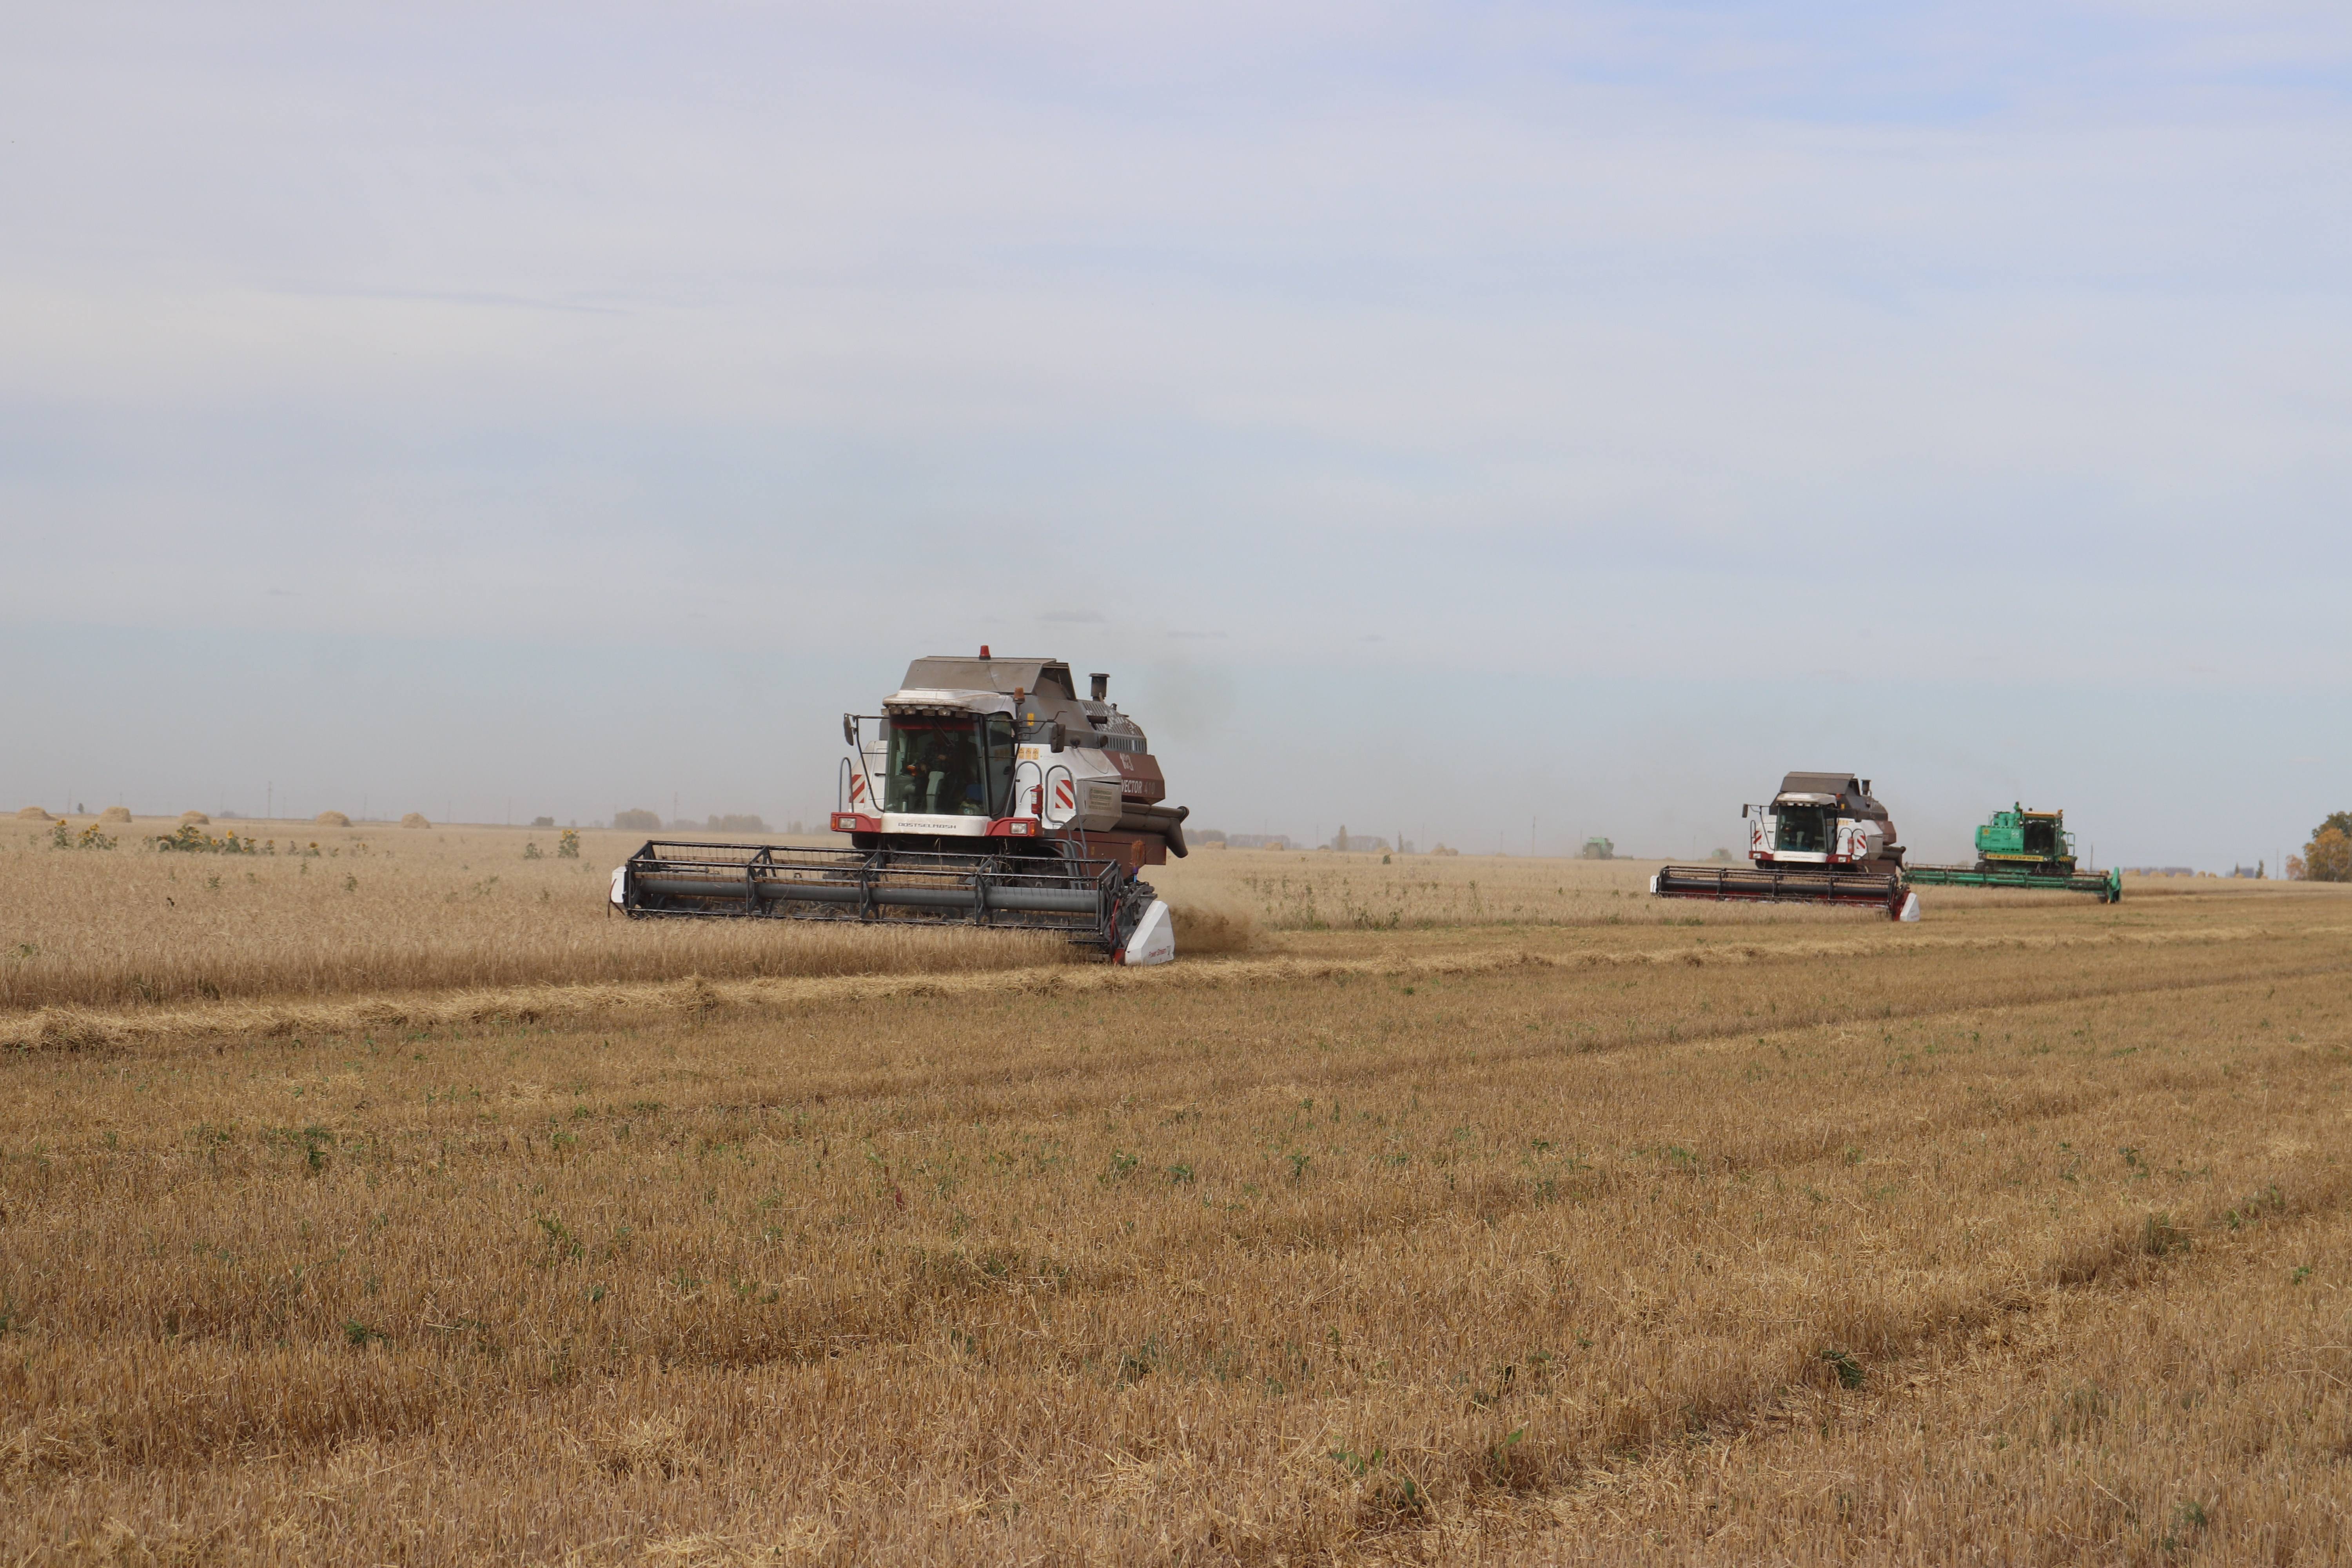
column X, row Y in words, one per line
column 949, row 766
column 1802, row 827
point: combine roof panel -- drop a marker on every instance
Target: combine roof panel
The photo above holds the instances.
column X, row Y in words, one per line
column 1820, row 784
column 941, row 674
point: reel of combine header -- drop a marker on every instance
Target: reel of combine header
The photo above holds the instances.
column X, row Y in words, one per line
column 1878, row 889
column 1096, row 902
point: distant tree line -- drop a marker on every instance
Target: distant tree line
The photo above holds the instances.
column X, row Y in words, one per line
column 2328, row 857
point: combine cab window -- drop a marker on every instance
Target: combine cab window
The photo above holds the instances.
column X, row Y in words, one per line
column 1804, row 829
column 938, row 768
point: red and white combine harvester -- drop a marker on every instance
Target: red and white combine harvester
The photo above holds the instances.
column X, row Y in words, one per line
column 987, row 792
column 1823, row 839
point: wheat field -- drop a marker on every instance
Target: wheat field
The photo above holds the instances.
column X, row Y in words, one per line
column 370, row 912
column 379, row 911
column 1561, row 1225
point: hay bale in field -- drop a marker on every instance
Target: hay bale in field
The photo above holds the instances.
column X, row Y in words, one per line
column 115, row 814
column 332, row 819
column 415, row 819
column 198, row 818
column 34, row 814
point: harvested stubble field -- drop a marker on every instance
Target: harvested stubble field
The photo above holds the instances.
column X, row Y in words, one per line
column 2017, row 1235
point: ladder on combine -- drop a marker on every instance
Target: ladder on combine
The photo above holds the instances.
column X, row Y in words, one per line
column 1096, row 902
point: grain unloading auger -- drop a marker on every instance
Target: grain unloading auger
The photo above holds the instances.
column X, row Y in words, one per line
column 1823, row 839
column 986, row 793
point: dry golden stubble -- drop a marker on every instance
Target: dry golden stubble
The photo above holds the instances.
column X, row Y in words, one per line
column 2089, row 1427
column 1310, row 1256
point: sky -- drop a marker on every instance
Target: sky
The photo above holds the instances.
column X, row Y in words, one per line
column 1495, row 424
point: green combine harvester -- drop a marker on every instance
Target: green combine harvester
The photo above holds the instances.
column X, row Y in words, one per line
column 2021, row 848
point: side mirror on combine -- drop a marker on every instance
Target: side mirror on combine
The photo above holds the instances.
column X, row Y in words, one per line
column 849, row 731
column 1059, row 736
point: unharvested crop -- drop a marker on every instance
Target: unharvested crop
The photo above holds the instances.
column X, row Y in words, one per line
column 177, row 912
column 277, row 910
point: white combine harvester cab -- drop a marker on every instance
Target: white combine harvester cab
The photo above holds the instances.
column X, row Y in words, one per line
column 1822, row 820
column 986, row 791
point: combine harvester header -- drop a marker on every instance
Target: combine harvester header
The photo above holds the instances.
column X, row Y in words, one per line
column 985, row 792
